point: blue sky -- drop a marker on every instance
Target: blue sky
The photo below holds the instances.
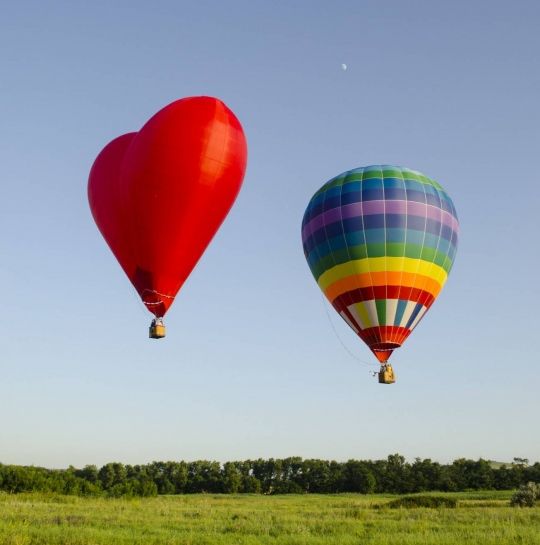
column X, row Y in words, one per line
column 251, row 366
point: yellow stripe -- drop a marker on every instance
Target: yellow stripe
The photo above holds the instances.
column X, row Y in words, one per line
column 364, row 316
column 382, row 264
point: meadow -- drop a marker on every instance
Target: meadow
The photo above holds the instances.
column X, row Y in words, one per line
column 480, row 518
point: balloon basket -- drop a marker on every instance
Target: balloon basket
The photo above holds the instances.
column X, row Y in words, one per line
column 386, row 374
column 157, row 330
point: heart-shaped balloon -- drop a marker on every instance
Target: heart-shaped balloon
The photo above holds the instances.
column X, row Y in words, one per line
column 107, row 202
column 159, row 195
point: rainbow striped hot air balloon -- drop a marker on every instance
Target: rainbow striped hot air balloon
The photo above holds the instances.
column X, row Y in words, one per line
column 380, row 242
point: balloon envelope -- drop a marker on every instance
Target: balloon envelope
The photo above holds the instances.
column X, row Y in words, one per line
column 380, row 242
column 159, row 195
column 107, row 202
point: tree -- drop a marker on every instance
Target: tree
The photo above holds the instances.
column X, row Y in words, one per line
column 506, row 478
column 315, row 476
column 425, row 475
column 393, row 474
column 521, row 461
column 251, row 485
column 358, row 478
column 232, row 478
column 88, row 473
column 112, row 474
column 272, row 476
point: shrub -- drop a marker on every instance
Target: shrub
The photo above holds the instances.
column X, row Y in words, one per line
column 432, row 502
column 526, row 495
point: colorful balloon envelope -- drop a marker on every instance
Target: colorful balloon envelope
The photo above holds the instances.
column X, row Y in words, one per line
column 159, row 195
column 380, row 242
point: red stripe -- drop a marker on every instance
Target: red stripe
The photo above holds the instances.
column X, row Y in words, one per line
column 384, row 337
column 382, row 292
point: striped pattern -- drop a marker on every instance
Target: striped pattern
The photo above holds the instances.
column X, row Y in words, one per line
column 380, row 242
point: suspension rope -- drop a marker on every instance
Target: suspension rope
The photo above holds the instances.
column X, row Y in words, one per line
column 346, row 348
column 154, row 292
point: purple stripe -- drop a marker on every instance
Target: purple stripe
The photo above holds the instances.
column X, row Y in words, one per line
column 357, row 209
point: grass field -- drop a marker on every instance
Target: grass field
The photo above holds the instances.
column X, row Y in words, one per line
column 481, row 518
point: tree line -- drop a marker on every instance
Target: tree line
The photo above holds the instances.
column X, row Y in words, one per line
column 273, row 476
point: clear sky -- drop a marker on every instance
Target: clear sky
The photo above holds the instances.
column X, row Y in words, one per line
column 251, row 366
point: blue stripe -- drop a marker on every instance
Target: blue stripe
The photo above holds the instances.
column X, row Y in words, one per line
column 399, row 311
column 414, row 314
column 377, row 221
column 357, row 238
column 354, row 234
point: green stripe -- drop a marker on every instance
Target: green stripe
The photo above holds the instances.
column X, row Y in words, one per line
column 334, row 182
column 357, row 176
column 394, row 249
column 381, row 311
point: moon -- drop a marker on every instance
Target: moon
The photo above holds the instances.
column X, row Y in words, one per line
column 344, row 67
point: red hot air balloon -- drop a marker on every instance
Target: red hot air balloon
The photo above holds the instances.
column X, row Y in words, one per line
column 159, row 195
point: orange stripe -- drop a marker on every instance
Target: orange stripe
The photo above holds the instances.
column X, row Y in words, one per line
column 366, row 280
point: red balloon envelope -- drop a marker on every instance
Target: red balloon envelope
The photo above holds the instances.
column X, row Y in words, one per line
column 159, row 195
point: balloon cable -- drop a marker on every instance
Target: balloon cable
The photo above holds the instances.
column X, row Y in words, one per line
column 347, row 349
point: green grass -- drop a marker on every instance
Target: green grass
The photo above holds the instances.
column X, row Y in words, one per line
column 419, row 500
column 481, row 518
